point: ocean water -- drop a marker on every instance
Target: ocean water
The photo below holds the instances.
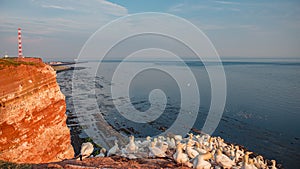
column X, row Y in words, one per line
column 262, row 109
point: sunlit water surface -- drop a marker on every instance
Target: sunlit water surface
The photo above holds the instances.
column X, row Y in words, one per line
column 262, row 109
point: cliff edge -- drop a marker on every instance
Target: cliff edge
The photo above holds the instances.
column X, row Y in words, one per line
column 32, row 113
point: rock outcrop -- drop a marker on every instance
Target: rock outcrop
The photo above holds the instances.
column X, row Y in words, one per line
column 32, row 113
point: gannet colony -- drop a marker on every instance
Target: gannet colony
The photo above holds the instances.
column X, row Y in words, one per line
column 195, row 151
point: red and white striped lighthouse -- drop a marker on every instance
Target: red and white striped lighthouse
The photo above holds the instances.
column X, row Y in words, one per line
column 20, row 44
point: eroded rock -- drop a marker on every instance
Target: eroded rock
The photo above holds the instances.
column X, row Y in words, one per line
column 32, row 113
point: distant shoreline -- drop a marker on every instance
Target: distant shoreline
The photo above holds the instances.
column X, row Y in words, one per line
column 62, row 66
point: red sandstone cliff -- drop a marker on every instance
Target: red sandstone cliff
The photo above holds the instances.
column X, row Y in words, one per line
column 32, row 113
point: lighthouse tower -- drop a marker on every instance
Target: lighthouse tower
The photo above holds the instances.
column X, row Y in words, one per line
column 20, row 44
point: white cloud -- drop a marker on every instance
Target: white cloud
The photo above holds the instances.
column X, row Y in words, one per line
column 113, row 8
column 75, row 21
column 187, row 8
column 57, row 7
column 227, row 2
column 217, row 26
column 40, row 26
column 77, row 16
column 176, row 8
column 87, row 7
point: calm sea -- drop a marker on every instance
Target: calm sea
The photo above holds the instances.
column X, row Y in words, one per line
column 262, row 110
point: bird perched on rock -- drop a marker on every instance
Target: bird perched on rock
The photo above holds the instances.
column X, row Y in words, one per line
column 163, row 145
column 238, row 153
column 86, row 150
column 246, row 164
column 155, row 151
column 131, row 147
column 181, row 157
column 171, row 143
column 114, row 150
column 145, row 143
column 209, row 144
column 259, row 162
column 273, row 164
column 199, row 149
column 190, row 139
column 200, row 161
column 177, row 137
column 251, row 163
column 102, row 153
column 224, row 160
column 191, row 152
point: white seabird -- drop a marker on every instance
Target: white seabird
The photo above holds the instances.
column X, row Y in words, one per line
column 131, row 147
column 155, row 151
column 114, row 150
column 181, row 157
column 191, row 152
column 200, row 161
column 86, row 150
column 223, row 160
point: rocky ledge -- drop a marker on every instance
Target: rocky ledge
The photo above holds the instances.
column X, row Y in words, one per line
column 32, row 113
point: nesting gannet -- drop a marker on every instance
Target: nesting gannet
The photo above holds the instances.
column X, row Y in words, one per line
column 199, row 139
column 221, row 142
column 246, row 164
column 160, row 141
column 210, row 144
column 191, row 152
column 223, row 160
column 191, row 136
column 238, row 153
column 190, row 139
column 178, row 137
column 138, row 142
column 162, row 138
column 197, row 136
column 155, row 151
column 102, row 153
column 155, row 140
column 226, row 151
column 200, row 161
column 124, row 152
column 146, row 143
column 232, row 154
column 86, row 150
column 273, row 164
column 181, row 157
column 206, row 137
column 171, row 143
column 206, row 140
column 114, row 150
column 164, row 146
column 131, row 147
column 251, row 164
column 199, row 149
column 259, row 162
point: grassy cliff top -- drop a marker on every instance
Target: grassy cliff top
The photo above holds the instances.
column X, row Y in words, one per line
column 14, row 61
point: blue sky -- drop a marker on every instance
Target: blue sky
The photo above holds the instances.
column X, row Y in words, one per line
column 56, row 28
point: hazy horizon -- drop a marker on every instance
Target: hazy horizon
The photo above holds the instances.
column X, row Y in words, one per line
column 59, row 29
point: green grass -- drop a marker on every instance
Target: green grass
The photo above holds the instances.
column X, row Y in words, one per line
column 9, row 165
column 4, row 62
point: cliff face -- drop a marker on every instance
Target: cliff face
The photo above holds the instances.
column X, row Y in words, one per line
column 32, row 113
